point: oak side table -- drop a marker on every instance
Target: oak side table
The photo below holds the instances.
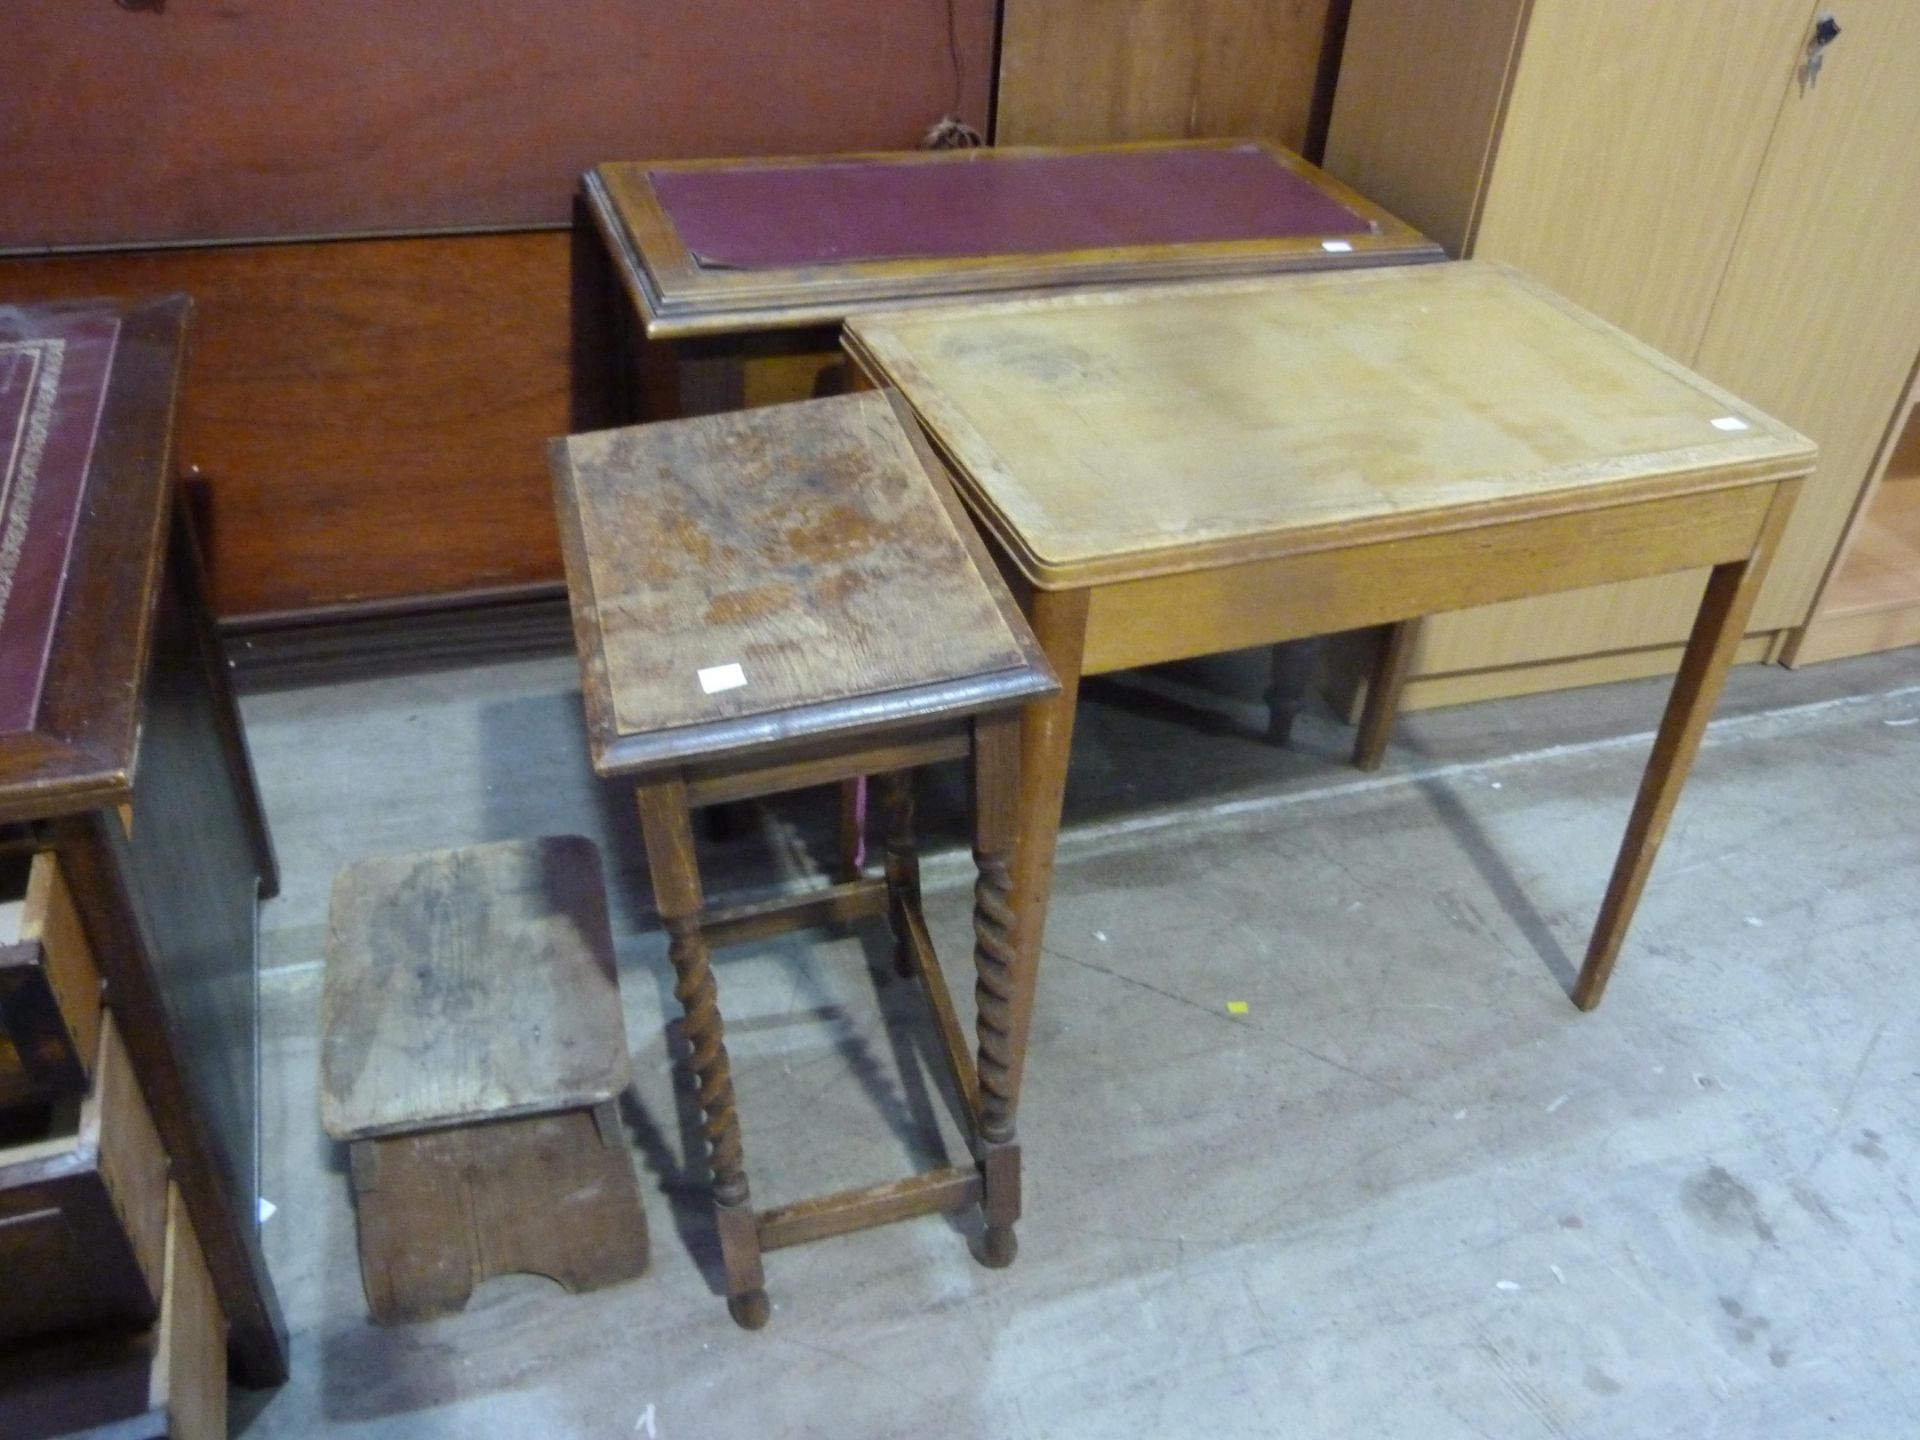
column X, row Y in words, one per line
column 1191, row 469
column 785, row 597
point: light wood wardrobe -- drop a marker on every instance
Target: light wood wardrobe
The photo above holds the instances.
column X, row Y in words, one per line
column 1674, row 168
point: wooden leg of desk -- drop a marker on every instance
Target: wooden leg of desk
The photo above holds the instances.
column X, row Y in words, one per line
column 1389, row 679
column 666, row 824
column 1059, row 619
column 1287, row 665
column 1717, row 631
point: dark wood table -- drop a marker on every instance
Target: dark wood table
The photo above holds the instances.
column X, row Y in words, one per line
column 787, row 597
column 128, row 764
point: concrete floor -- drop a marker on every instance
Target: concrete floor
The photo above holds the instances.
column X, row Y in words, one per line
column 1409, row 1192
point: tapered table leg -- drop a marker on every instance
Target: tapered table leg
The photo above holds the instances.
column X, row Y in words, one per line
column 1389, row 679
column 666, row 824
column 1717, row 631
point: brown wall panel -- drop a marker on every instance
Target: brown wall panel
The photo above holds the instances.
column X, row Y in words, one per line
column 244, row 119
column 370, row 415
column 1079, row 71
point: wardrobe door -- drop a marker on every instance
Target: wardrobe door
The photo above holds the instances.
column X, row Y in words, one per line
column 1818, row 317
column 1633, row 136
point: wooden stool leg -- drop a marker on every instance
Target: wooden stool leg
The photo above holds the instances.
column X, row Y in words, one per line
column 996, row 801
column 903, row 862
column 666, row 825
column 1383, row 695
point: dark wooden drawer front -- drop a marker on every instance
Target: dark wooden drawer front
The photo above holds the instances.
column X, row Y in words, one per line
column 83, row 1212
column 49, row 986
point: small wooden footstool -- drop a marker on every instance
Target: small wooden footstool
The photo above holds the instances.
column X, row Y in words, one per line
column 788, row 597
column 472, row 1058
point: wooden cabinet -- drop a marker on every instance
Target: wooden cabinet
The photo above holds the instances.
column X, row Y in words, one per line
column 127, row 777
column 1674, row 168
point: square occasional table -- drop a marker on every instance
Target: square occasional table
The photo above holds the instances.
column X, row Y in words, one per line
column 785, row 597
column 1178, row 471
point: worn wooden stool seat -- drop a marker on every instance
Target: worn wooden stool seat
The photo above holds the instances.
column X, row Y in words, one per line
column 788, row 597
column 472, row 1058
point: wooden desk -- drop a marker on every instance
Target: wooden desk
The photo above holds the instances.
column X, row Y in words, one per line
column 812, row 241
column 129, row 771
column 734, row 258
column 1190, row 469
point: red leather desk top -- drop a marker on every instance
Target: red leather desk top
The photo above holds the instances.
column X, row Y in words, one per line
column 797, row 215
column 53, row 380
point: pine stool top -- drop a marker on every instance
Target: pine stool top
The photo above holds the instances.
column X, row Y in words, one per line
column 469, row 984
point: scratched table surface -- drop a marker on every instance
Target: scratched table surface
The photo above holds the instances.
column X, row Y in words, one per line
column 1121, row 434
column 751, row 562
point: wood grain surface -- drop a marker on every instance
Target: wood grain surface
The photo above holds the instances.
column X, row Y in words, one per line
column 802, row 543
column 1602, row 223
column 244, row 119
column 1819, row 311
column 469, row 984
column 441, row 1211
column 1417, row 110
column 49, row 991
column 1122, row 435
column 1077, row 72
column 83, row 1212
column 188, row 1382
column 367, row 419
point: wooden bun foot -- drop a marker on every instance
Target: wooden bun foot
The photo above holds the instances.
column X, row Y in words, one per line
column 998, row 1247
column 749, row 1309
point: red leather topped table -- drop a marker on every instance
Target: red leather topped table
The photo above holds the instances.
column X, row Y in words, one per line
column 720, row 247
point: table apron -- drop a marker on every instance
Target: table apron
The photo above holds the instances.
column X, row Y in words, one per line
column 1261, row 602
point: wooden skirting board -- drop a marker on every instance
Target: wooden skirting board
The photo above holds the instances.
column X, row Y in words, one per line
column 1347, row 690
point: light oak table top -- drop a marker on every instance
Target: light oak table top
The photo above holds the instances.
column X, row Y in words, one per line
column 1119, row 435
column 1196, row 468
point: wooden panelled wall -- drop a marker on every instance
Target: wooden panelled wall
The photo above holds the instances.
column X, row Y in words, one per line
column 369, row 413
column 1081, row 71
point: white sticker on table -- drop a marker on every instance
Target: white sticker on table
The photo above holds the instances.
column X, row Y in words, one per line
column 1730, row 422
column 716, row 678
column 1336, row 247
